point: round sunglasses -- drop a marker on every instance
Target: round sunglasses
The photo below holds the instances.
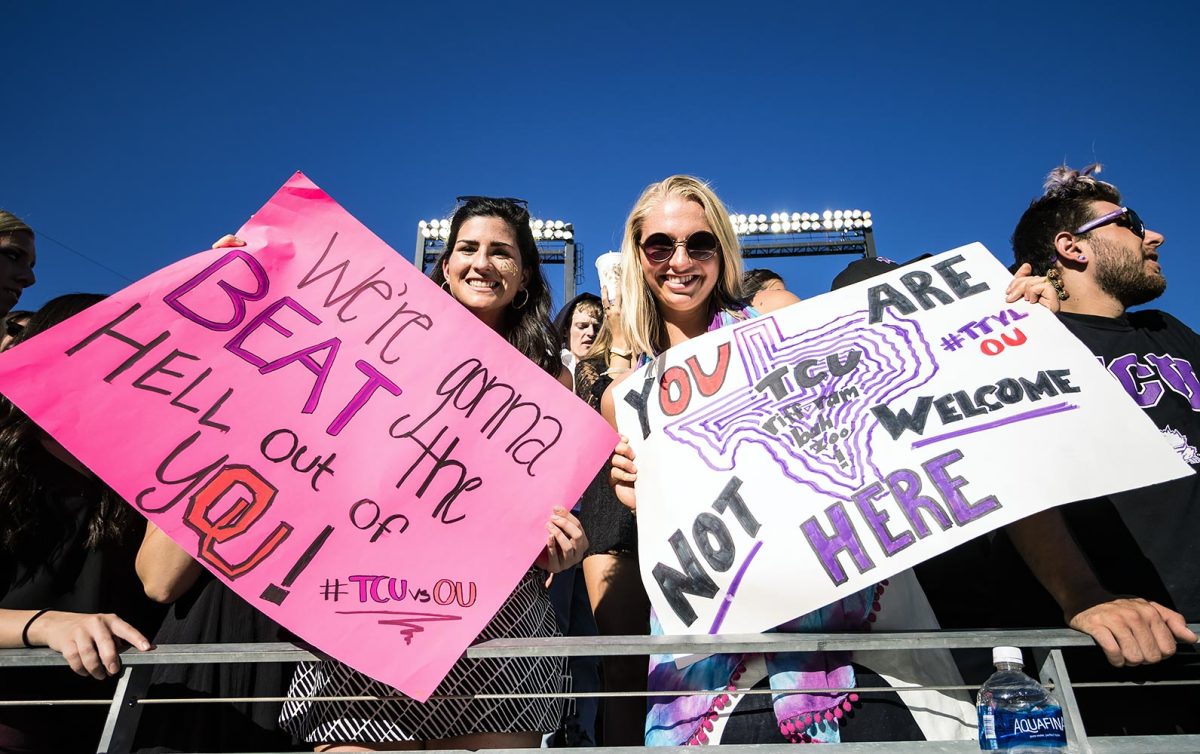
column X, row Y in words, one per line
column 701, row 245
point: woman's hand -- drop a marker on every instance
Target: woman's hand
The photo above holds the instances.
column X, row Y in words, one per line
column 228, row 240
column 622, row 474
column 1035, row 290
column 566, row 542
column 87, row 641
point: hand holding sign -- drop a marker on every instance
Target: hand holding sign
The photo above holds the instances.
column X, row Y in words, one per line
column 623, row 474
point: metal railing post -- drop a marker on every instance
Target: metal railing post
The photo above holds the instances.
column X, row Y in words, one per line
column 1052, row 670
column 124, row 712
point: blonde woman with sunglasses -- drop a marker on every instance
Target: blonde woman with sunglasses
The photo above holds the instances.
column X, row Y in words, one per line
column 682, row 277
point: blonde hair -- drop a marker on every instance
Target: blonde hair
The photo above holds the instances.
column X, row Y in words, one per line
column 10, row 223
column 641, row 321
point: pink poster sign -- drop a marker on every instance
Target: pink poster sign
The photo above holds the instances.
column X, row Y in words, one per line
column 325, row 430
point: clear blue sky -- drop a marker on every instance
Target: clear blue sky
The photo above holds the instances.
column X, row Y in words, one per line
column 138, row 132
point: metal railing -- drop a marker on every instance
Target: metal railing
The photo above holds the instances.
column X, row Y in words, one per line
column 1046, row 644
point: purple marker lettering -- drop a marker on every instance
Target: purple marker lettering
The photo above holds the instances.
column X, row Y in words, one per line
column 237, row 296
column 843, row 539
column 374, row 381
column 948, row 487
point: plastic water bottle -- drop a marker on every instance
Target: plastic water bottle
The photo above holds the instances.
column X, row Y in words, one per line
column 1016, row 713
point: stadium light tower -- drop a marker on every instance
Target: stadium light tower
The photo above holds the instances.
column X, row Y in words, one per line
column 799, row 234
column 555, row 241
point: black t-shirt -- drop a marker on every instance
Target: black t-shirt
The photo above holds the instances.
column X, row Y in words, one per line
column 1144, row 542
column 58, row 572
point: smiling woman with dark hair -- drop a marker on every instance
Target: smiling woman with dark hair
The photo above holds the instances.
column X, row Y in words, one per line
column 490, row 266
column 493, row 268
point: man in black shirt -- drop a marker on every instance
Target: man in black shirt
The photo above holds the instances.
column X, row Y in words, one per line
column 1123, row 568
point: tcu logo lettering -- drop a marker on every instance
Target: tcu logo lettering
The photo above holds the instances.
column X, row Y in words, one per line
column 1144, row 379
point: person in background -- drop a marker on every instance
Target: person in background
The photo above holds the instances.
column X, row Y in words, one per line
column 67, row 545
column 760, row 279
column 610, row 566
column 577, row 325
column 1121, row 568
column 18, row 255
column 14, row 324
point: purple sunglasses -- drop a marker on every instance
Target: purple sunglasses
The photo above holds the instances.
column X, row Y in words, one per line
column 1123, row 216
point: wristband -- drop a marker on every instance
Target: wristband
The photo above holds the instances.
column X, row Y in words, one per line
column 28, row 623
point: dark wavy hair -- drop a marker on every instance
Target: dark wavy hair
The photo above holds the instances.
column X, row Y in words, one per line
column 562, row 323
column 526, row 329
column 23, row 522
column 755, row 280
column 1066, row 204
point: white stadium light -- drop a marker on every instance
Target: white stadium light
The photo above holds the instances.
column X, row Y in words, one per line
column 551, row 230
column 839, row 220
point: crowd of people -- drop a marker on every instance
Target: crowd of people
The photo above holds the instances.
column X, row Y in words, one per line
column 83, row 574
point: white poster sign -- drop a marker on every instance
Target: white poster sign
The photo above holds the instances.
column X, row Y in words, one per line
column 789, row 460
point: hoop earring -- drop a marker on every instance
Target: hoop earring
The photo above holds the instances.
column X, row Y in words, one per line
column 521, row 305
column 446, row 286
column 1055, row 279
